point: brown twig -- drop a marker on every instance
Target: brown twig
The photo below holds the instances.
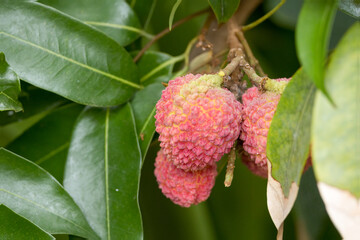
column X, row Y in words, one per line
column 203, row 42
column 253, row 61
column 167, row 30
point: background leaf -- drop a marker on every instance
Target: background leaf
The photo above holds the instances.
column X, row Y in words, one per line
column 33, row 193
column 351, row 7
column 9, row 87
column 289, row 134
column 311, row 212
column 56, row 47
column 34, row 101
column 52, row 135
column 312, row 38
column 154, row 66
column 113, row 17
column 144, row 101
column 338, row 168
column 224, row 9
column 13, row 226
column 144, row 111
column 103, row 170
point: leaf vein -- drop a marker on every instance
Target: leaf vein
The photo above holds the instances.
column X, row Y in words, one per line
column 98, row 71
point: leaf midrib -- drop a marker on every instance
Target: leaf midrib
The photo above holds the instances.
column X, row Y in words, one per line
column 109, row 75
column 106, row 159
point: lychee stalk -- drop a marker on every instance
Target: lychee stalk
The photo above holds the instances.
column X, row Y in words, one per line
column 230, row 167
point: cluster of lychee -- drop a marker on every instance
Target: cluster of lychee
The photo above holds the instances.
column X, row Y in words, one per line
column 198, row 122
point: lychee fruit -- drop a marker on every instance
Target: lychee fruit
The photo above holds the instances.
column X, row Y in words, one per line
column 184, row 188
column 257, row 112
column 197, row 120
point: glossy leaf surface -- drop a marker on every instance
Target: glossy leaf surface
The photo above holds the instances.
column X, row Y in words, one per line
column 312, row 38
column 289, row 134
column 336, row 131
column 113, row 17
column 103, row 169
column 33, row 193
column 52, row 135
column 13, row 226
column 60, row 54
column 9, row 87
column 224, row 9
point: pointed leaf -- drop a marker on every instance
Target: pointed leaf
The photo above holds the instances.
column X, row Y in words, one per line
column 351, row 7
column 115, row 18
column 65, row 56
column 312, row 38
column 9, row 87
column 336, row 130
column 289, row 134
column 13, row 226
column 52, row 135
column 279, row 206
column 288, row 146
column 224, row 9
column 103, row 169
column 33, row 193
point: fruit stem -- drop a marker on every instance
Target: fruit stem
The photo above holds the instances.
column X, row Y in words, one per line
column 253, row 61
column 230, row 167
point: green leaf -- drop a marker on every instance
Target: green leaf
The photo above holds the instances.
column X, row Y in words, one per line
column 13, row 226
column 114, row 18
column 144, row 111
column 350, row 7
column 224, row 9
column 172, row 13
column 336, row 130
column 33, row 193
column 154, row 68
column 65, row 56
column 103, row 170
column 312, row 38
column 289, row 134
column 34, row 101
column 9, row 87
column 47, row 142
column 153, row 65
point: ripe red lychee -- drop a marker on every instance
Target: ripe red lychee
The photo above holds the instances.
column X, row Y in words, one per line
column 198, row 121
column 257, row 112
column 184, row 188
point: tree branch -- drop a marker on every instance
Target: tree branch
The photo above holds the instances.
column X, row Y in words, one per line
column 167, row 30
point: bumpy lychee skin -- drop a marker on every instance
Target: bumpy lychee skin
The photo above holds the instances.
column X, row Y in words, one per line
column 257, row 112
column 184, row 188
column 198, row 121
